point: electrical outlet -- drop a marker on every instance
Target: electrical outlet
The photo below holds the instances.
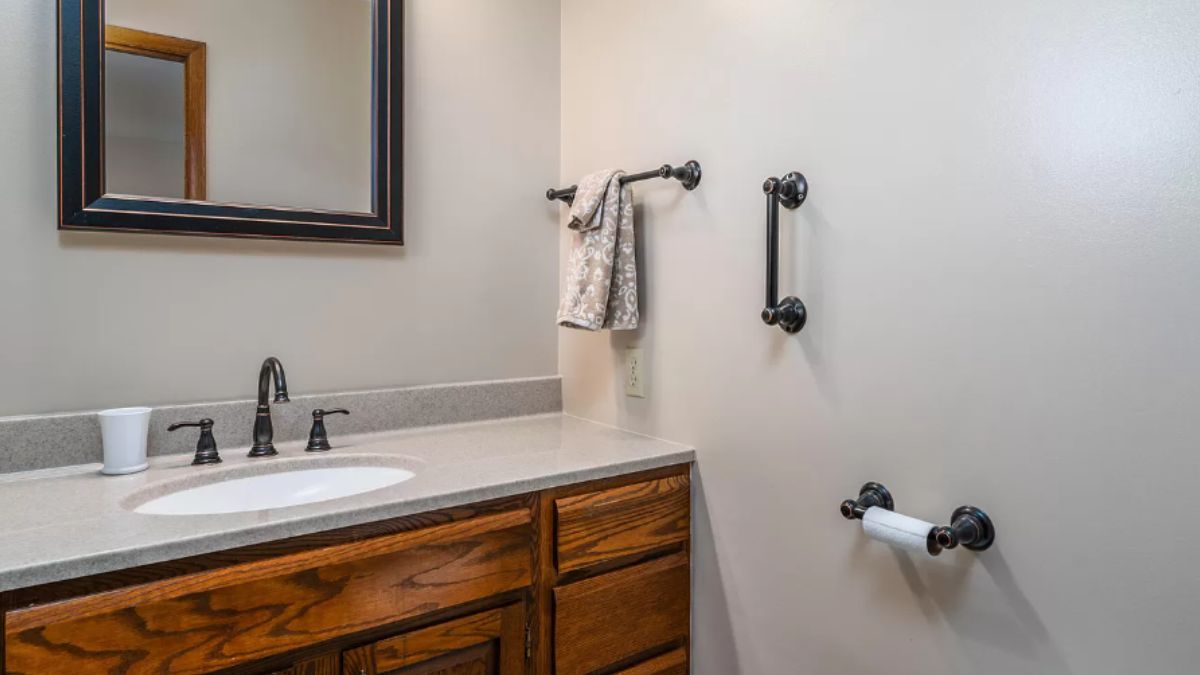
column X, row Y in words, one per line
column 635, row 380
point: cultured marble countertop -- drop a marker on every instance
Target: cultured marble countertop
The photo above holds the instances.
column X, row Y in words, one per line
column 70, row 522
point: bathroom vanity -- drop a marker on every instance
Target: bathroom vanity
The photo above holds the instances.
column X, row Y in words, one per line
column 534, row 545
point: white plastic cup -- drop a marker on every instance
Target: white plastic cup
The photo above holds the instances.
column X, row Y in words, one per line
column 125, row 432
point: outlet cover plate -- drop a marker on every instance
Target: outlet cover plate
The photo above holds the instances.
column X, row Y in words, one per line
column 635, row 372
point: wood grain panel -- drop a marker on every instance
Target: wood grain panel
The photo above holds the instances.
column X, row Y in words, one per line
column 430, row 643
column 202, row 622
column 479, row 660
column 545, row 578
column 485, row 643
column 4, row 602
column 195, row 125
column 359, row 661
column 326, row 664
column 674, row 662
column 137, row 576
column 145, row 43
column 606, row 619
column 23, row 619
column 622, row 521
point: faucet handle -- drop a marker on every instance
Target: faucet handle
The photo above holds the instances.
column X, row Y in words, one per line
column 318, row 438
column 206, row 447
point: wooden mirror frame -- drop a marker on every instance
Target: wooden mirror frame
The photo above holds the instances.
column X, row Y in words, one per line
column 83, row 204
column 192, row 55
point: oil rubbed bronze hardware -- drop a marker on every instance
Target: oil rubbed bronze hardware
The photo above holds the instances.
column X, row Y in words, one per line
column 969, row 526
column 689, row 175
column 790, row 192
column 871, row 494
column 206, row 447
column 318, row 438
column 264, row 432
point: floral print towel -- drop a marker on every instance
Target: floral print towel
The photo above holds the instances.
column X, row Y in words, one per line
column 601, row 287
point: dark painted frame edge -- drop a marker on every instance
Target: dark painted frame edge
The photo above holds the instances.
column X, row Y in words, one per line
column 83, row 207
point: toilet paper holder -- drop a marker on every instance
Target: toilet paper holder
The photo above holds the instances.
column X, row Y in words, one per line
column 969, row 526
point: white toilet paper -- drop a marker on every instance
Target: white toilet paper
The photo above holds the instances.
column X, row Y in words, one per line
column 897, row 529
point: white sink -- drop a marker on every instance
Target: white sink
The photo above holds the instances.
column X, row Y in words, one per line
column 274, row 490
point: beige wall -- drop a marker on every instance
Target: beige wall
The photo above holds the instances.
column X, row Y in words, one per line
column 289, row 95
column 94, row 320
column 1001, row 258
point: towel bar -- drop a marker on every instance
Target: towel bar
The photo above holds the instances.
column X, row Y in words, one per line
column 688, row 174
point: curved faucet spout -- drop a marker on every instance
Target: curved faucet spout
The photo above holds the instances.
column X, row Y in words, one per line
column 272, row 366
column 264, row 432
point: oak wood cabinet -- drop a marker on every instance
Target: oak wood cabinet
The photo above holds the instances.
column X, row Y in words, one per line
column 616, row 616
column 622, row 521
column 584, row 579
column 674, row 662
column 326, row 664
column 488, row 643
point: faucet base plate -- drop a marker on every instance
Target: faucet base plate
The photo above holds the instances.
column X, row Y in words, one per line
column 267, row 450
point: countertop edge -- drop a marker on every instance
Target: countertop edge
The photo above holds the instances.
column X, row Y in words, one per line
column 111, row 561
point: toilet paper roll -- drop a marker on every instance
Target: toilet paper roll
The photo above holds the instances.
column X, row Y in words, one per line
column 897, row 529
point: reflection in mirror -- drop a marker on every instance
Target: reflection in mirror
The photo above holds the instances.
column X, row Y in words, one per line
column 154, row 127
column 286, row 118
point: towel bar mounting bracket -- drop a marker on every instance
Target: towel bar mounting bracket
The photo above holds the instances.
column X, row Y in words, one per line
column 871, row 494
column 689, row 174
column 793, row 190
column 969, row 526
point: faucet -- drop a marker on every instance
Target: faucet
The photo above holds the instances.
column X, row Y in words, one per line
column 263, row 431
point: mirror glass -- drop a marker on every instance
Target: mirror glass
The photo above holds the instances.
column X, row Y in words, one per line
column 262, row 102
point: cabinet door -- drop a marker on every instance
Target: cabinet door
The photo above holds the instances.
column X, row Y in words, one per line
column 674, row 662
column 326, row 664
column 488, row 643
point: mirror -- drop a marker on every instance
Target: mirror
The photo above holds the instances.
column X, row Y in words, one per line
column 272, row 118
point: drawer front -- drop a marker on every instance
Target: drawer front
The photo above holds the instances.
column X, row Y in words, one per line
column 202, row 622
column 616, row 616
column 623, row 521
column 674, row 662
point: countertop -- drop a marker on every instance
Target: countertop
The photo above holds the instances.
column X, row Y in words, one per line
column 70, row 522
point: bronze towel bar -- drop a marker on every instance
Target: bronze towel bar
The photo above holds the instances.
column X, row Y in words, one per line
column 688, row 174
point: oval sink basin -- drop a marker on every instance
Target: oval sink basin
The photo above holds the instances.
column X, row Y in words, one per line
column 275, row 490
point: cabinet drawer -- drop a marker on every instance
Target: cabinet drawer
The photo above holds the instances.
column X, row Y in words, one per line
column 674, row 662
column 606, row 619
column 623, row 521
column 202, row 622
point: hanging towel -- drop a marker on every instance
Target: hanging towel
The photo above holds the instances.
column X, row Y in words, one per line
column 601, row 287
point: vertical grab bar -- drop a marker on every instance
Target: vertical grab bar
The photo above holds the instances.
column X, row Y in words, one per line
column 789, row 192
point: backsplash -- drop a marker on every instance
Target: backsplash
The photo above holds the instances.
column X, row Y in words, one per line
column 46, row 441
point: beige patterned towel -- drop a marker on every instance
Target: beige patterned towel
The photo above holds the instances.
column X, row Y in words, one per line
column 601, row 287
